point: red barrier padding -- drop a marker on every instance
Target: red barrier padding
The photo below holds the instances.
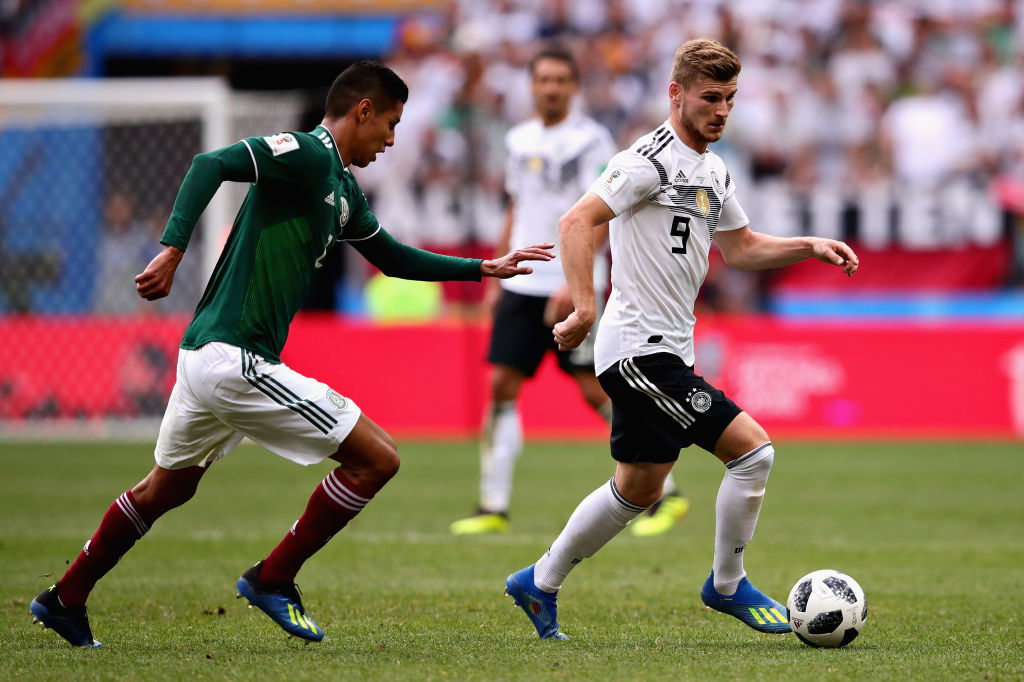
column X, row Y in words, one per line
column 952, row 270
column 799, row 379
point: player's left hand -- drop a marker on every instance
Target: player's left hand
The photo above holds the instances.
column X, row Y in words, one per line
column 571, row 332
column 508, row 265
column 836, row 253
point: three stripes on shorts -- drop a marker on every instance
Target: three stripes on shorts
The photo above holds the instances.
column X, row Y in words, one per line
column 282, row 395
column 669, row 405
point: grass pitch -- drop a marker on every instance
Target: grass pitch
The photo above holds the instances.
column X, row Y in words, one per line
column 933, row 532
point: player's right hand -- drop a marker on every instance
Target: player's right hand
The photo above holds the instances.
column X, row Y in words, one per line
column 559, row 306
column 508, row 265
column 570, row 332
column 155, row 281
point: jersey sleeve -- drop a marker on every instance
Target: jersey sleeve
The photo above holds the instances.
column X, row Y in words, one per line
column 628, row 179
column 296, row 158
column 733, row 216
column 205, row 176
column 396, row 259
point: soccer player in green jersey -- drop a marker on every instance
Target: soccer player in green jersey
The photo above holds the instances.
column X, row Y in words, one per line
column 302, row 201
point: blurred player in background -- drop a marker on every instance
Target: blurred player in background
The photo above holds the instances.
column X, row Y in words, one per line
column 552, row 158
column 672, row 196
column 230, row 381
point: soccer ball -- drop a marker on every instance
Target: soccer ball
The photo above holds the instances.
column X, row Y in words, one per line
column 827, row 609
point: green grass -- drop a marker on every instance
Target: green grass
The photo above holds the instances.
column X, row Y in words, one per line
column 933, row 532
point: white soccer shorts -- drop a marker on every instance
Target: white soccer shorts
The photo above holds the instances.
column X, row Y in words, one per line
column 224, row 393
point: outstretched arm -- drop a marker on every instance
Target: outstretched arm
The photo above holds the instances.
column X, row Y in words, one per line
column 745, row 249
column 576, row 244
column 401, row 260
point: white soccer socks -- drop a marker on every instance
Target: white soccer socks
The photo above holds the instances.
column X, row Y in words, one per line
column 736, row 512
column 599, row 517
column 502, row 443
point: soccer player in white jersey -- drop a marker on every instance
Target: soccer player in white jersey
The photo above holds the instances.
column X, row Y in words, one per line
column 551, row 159
column 669, row 197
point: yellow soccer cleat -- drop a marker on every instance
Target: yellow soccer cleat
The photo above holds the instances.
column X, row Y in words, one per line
column 483, row 523
column 664, row 515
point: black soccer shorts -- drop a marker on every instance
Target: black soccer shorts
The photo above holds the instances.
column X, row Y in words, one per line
column 519, row 337
column 661, row 406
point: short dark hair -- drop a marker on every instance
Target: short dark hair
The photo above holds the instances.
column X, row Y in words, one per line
column 559, row 52
column 365, row 79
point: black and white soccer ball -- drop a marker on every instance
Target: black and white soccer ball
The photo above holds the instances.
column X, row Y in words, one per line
column 827, row 609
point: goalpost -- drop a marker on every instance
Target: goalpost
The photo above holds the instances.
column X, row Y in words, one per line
column 72, row 103
column 89, row 169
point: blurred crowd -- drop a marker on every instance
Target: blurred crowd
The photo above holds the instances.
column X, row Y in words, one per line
column 913, row 103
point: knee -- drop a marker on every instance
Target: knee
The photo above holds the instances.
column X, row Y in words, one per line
column 505, row 385
column 640, row 493
column 153, row 499
column 646, row 498
column 385, row 460
column 596, row 399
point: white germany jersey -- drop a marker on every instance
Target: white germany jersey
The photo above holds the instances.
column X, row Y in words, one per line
column 548, row 169
column 669, row 201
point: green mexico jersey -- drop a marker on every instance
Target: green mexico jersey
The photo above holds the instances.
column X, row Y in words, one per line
column 302, row 202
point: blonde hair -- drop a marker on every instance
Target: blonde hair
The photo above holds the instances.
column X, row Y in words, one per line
column 704, row 57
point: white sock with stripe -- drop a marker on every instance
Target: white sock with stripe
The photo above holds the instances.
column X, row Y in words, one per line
column 599, row 517
column 736, row 511
column 502, row 443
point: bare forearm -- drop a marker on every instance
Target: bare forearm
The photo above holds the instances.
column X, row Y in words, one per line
column 763, row 252
column 576, row 247
column 744, row 249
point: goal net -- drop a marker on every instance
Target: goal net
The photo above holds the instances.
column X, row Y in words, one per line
column 88, row 175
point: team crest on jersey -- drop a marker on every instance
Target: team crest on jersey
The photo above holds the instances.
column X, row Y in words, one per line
column 717, row 183
column 535, row 164
column 700, row 401
column 702, row 201
column 343, row 215
column 336, row 399
column 281, row 143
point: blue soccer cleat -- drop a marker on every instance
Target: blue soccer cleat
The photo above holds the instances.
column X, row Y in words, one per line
column 749, row 604
column 71, row 623
column 538, row 605
column 280, row 602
